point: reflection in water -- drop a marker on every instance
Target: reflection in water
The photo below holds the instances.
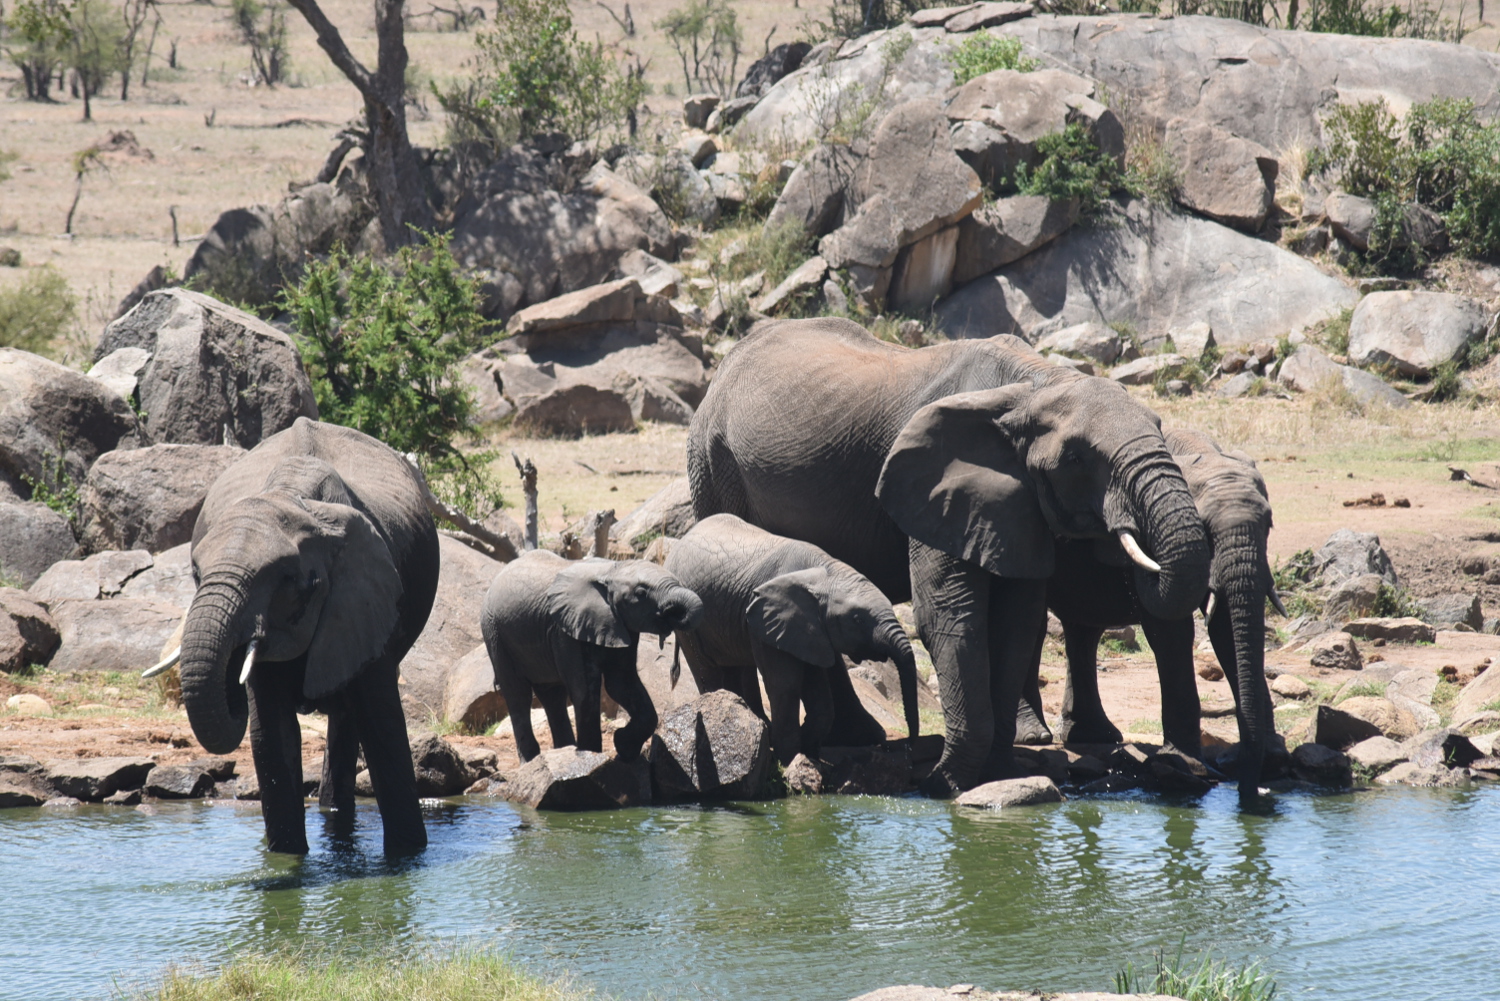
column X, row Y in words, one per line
column 1343, row 897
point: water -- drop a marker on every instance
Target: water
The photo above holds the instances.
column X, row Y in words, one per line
column 1369, row 896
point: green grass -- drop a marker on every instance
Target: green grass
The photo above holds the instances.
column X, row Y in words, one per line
column 461, row 976
column 983, row 53
column 1209, row 980
column 1145, row 726
column 1367, row 689
column 1443, row 697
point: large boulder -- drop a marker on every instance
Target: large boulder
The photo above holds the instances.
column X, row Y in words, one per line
column 1024, row 107
column 93, row 779
column 653, row 663
column 470, row 696
column 452, row 630
column 116, row 610
column 1008, row 230
column 27, row 633
column 768, row 70
column 713, row 747
column 1222, row 176
column 1414, row 332
column 566, row 778
column 103, row 575
column 217, row 375
column 1348, row 554
column 668, row 512
column 550, row 243
column 54, row 421
column 1477, row 694
column 148, row 498
column 1094, row 341
column 440, row 769
column 32, row 538
column 1155, row 269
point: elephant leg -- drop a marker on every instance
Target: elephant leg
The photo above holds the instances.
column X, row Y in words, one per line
column 1018, row 613
column 748, row 688
column 276, row 745
column 707, row 675
column 624, row 686
column 375, row 702
column 555, row 702
column 818, row 701
column 1031, row 723
column 1181, row 714
column 853, row 726
column 1083, row 717
column 340, row 759
column 951, row 602
column 783, row 676
column 516, row 688
column 587, row 711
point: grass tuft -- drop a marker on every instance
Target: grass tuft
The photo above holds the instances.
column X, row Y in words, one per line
column 1209, row 980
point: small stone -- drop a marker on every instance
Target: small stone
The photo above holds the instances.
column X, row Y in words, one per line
column 1322, row 766
column 1289, row 686
column 1376, row 754
column 1335, row 650
column 1143, row 371
column 1027, row 791
column 1402, row 630
column 803, row 776
column 62, row 803
column 28, row 705
column 566, row 778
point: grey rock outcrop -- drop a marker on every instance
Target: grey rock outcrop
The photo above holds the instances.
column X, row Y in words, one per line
column 1222, row 176
column 566, row 778
column 668, row 512
column 1348, row 553
column 27, row 633
column 1024, row 107
column 713, row 747
column 1145, row 371
column 148, row 498
column 1008, row 230
column 119, row 634
column 92, row 779
column 217, row 375
column 452, row 630
column 1413, row 332
column 1092, row 340
column 1453, row 611
column 470, row 696
column 178, row 782
column 32, row 538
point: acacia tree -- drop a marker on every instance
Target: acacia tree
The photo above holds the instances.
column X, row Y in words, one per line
column 395, row 174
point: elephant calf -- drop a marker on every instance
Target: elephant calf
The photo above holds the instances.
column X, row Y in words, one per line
column 559, row 627
column 793, row 612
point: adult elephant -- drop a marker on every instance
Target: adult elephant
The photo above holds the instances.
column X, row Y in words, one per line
column 316, row 564
column 1093, row 591
column 943, row 474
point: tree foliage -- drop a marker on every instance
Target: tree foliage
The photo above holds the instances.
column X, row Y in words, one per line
column 262, row 27
column 37, row 37
column 37, row 312
column 706, row 36
column 1071, row 165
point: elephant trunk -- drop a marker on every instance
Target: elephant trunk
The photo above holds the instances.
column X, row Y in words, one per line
column 899, row 649
column 216, row 703
column 1173, row 535
column 1243, row 579
column 682, row 609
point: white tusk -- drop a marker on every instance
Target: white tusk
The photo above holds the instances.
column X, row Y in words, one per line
column 249, row 661
column 1134, row 551
column 166, row 665
column 1211, row 607
column 1276, row 604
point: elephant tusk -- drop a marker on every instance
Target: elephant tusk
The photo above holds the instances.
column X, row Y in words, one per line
column 1276, row 604
column 1211, row 607
column 249, row 661
column 166, row 665
column 1134, row 551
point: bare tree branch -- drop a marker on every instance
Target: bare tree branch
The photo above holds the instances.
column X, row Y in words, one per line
column 331, row 42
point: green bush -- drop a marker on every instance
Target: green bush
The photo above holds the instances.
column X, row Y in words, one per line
column 1395, row 603
column 984, row 53
column 55, row 488
column 534, row 76
column 37, row 312
column 1072, row 166
column 1354, row 17
column 382, row 345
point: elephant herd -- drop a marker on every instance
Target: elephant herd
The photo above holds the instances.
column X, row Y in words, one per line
column 832, row 474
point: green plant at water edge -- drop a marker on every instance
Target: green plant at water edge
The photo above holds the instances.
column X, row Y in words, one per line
column 37, row 312
column 382, row 345
column 1209, row 980
column 1395, row 603
column 55, row 488
column 1072, row 166
column 533, row 76
column 984, row 53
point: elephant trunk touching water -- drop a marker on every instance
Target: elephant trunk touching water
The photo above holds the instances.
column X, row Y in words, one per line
column 212, row 693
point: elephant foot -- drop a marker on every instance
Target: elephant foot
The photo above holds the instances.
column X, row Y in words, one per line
column 852, row 729
column 1032, row 732
column 939, row 784
column 1089, row 731
column 1001, row 764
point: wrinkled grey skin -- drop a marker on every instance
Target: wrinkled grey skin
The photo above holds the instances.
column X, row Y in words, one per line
column 945, row 473
column 318, row 545
column 560, row 628
column 1090, row 594
column 794, row 613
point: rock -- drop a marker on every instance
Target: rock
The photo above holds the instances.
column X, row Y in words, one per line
column 490, row 405
column 696, row 109
column 654, row 275
column 1351, row 218
column 115, row 634
column 470, row 696
column 1452, row 611
column 654, row 665
column 713, row 747
column 125, row 797
column 1353, row 598
column 1222, row 176
column 1390, row 719
column 806, row 279
column 987, row 15
column 93, row 779
column 103, row 575
column 1092, row 340
column 1307, row 368
column 1028, row 106
column 1440, row 748
column 1369, row 389
column 28, row 635
column 992, row 153
column 1164, row 270
column 673, row 179
column 1403, row 630
column 1477, row 694
column 10, row 257
column 1289, row 686
column 1237, row 386
column 1027, row 791
column 770, row 68
column 178, row 782
column 148, row 498
column 27, row 704
column 1332, row 727
column 566, row 778
column 816, row 196
column 1414, row 332
column 62, row 803
column 1008, row 230
column 801, row 776
column 1410, row 774
column 16, row 790
column 441, row 771
column 1376, row 754
column 1335, row 650
column 570, row 411
column 607, row 303
column 479, row 762
column 727, row 115
column 121, row 370
column 218, row 768
column 697, row 147
column 452, row 631
column 32, row 538
column 1322, row 766
column 1347, row 554
column 553, row 243
column 1145, row 371
column 667, row 512
column 1192, row 340
column 44, row 407
column 923, row 272
column 217, row 375
column 168, row 580
column 864, row 771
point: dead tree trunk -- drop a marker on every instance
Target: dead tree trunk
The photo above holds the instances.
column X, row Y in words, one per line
column 527, row 470
column 396, row 176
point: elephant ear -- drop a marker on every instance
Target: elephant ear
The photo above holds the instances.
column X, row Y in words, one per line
column 788, row 613
column 362, row 607
column 954, row 481
column 578, row 602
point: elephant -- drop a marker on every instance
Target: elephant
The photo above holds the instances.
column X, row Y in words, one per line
column 1090, row 594
column 316, row 565
column 559, row 627
column 944, row 473
column 793, row 612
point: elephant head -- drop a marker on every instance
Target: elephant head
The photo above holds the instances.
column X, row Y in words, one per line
column 282, row 578
column 607, row 602
column 818, row 614
column 991, row 476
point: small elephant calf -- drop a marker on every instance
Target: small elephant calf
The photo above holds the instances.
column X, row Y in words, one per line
column 560, row 627
column 793, row 612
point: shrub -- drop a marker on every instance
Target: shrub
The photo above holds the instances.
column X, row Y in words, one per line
column 1395, row 603
column 383, row 345
column 1072, row 166
column 983, row 53
column 705, row 33
column 262, row 27
column 37, row 312
column 55, row 488
column 1354, row 17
